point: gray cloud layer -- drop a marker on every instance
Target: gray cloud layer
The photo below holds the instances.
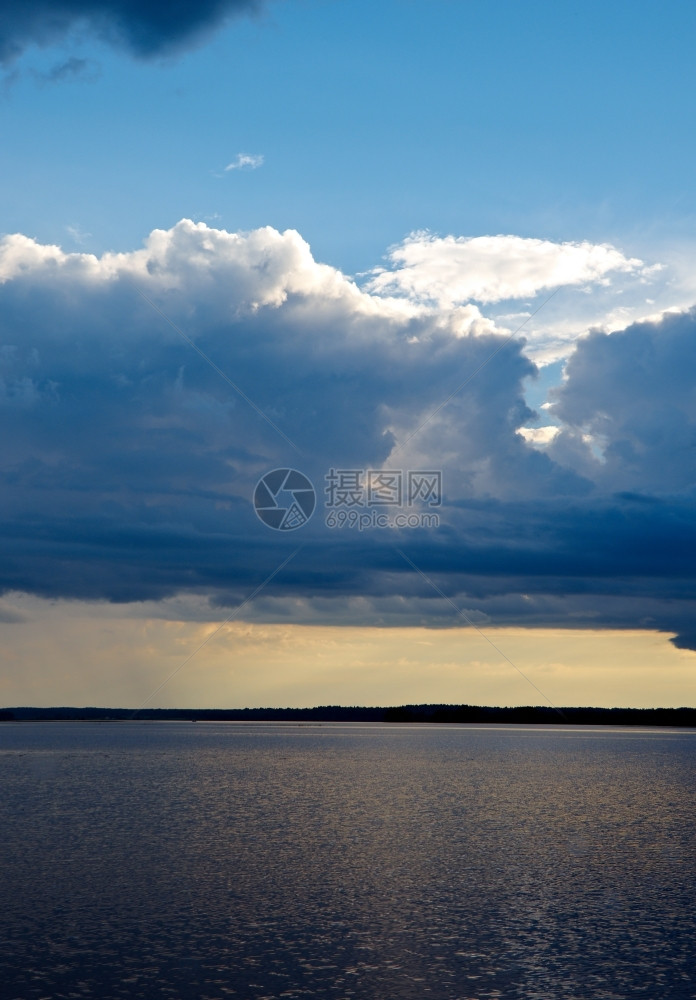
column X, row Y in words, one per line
column 145, row 27
column 128, row 464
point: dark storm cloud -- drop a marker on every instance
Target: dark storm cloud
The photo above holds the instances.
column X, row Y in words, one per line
column 633, row 393
column 130, row 464
column 145, row 27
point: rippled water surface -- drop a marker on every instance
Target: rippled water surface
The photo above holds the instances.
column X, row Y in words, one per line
column 181, row 860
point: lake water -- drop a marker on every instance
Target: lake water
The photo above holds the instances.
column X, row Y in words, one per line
column 266, row 861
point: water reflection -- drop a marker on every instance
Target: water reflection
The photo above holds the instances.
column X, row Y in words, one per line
column 218, row 860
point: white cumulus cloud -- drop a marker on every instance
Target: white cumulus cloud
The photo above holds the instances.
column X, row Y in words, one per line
column 452, row 270
column 539, row 436
column 246, row 161
column 129, row 464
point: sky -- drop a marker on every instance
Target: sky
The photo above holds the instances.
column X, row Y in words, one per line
column 434, row 260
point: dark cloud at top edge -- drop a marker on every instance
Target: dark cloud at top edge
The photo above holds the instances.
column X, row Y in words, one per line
column 146, row 28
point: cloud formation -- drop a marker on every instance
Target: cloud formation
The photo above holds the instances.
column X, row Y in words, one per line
column 131, row 465
column 451, row 270
column 629, row 407
column 565, row 288
column 70, row 69
column 146, row 28
column 246, row 161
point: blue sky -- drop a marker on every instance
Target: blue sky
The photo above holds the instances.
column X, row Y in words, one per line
column 421, row 235
column 375, row 119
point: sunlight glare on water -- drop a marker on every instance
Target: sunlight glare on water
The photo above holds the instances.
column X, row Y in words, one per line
column 276, row 860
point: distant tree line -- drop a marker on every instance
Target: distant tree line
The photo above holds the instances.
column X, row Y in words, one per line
column 541, row 714
column 530, row 714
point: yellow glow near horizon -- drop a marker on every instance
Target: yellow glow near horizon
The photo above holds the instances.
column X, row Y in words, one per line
column 74, row 653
